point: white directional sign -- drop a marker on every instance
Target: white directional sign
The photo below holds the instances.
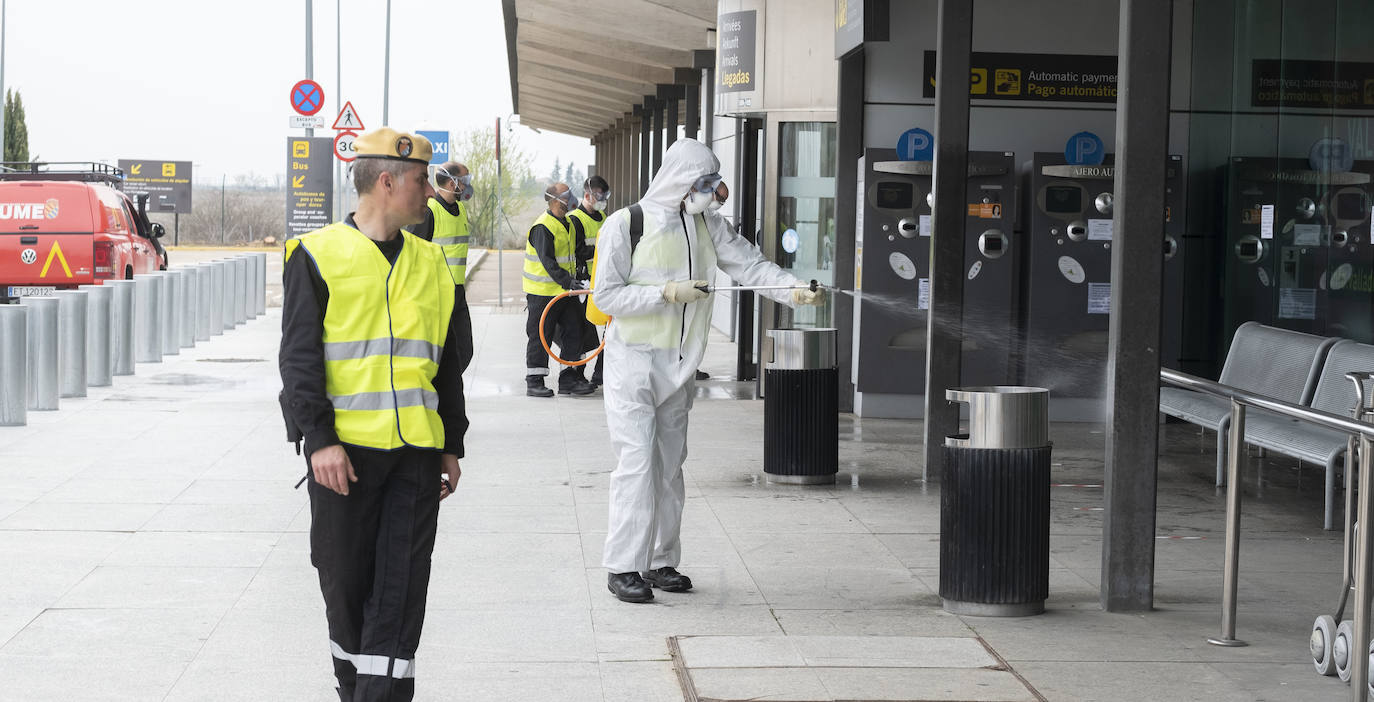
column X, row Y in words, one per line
column 306, row 122
column 343, row 146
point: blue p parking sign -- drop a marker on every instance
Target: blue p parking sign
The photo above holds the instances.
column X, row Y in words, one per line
column 1084, row 149
column 439, row 140
column 916, row 145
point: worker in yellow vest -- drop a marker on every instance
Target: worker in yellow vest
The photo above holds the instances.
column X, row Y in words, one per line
column 588, row 216
column 446, row 220
column 373, row 350
column 550, row 264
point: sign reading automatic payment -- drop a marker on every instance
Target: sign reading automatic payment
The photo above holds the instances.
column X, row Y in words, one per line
column 735, row 51
column 1043, row 77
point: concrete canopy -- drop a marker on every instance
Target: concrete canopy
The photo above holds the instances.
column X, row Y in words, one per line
column 571, row 72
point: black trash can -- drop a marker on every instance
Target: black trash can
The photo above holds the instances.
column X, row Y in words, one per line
column 995, row 504
column 801, row 408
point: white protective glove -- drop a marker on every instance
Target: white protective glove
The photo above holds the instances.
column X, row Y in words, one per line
column 578, row 285
column 807, row 296
column 683, row 291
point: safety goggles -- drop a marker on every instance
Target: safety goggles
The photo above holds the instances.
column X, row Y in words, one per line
column 567, row 198
column 707, row 183
column 440, row 178
column 600, row 195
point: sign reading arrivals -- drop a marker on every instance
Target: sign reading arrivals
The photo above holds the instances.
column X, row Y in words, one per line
column 166, row 183
column 735, row 50
column 1041, row 77
column 309, row 184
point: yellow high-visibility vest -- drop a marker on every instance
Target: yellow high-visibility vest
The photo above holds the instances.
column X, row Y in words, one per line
column 451, row 234
column 384, row 331
column 536, row 279
column 590, row 227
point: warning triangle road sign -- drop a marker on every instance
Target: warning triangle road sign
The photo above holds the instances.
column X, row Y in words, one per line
column 348, row 118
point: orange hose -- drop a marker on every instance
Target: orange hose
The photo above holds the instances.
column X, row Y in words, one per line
column 545, row 342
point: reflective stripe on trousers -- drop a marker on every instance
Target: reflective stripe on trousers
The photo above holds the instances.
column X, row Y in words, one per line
column 374, row 665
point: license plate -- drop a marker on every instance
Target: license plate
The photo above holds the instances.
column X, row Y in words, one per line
column 32, row 290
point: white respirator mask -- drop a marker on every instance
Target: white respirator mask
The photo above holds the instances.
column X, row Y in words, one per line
column 696, row 203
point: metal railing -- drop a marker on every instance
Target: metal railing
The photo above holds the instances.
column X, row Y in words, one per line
column 1362, row 439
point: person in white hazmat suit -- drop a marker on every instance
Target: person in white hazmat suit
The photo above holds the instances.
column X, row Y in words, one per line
column 655, row 292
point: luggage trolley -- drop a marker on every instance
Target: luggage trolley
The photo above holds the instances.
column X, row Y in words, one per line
column 1330, row 642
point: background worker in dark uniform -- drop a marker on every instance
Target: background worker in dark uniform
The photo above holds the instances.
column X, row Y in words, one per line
column 587, row 219
column 372, row 354
column 550, row 262
column 446, row 219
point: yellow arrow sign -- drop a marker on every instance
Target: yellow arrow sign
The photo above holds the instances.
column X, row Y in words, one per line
column 55, row 251
column 298, row 181
column 137, row 167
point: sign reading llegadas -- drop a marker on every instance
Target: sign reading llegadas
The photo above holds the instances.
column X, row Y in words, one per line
column 735, row 49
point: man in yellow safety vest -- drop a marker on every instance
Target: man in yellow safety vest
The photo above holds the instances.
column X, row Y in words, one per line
column 550, row 263
column 373, row 349
column 590, row 213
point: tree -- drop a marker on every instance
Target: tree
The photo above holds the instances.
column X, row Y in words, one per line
column 568, row 174
column 555, row 175
column 16, row 132
column 476, row 148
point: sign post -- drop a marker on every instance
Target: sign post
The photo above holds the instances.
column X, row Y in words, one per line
column 310, row 184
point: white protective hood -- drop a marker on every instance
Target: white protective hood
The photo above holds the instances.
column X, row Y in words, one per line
column 684, row 162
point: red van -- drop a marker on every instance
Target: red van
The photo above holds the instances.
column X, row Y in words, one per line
column 69, row 224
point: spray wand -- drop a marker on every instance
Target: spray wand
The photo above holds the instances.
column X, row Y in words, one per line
column 724, row 288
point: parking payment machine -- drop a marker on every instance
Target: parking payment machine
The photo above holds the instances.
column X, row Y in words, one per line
column 1298, row 250
column 1068, row 274
column 892, row 264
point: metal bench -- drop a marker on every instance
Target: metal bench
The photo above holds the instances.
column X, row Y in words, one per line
column 1276, row 363
column 1335, row 393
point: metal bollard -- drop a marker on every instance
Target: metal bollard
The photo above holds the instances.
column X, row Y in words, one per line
column 217, row 269
column 122, row 326
column 260, row 297
column 14, row 371
column 44, row 352
column 148, row 318
column 240, row 290
column 190, row 296
column 71, row 342
column 250, row 307
column 99, row 299
column 205, row 281
column 227, row 298
column 171, row 317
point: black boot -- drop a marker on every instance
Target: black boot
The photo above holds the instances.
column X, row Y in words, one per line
column 668, row 579
column 629, row 587
column 534, row 386
column 571, row 382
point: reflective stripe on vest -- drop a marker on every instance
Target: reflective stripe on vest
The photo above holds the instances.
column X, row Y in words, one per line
column 451, row 233
column 384, row 331
column 537, row 280
column 590, row 227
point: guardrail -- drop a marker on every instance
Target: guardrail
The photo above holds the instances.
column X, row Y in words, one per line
column 58, row 346
column 1362, row 438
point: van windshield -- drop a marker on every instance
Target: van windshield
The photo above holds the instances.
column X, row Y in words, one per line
column 45, row 208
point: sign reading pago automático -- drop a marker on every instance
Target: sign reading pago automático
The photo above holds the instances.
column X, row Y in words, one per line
column 309, row 184
column 735, row 51
column 166, row 183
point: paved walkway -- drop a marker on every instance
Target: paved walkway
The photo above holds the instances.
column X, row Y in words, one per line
column 152, row 548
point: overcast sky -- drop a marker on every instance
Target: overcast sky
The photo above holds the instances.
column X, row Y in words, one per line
column 209, row 82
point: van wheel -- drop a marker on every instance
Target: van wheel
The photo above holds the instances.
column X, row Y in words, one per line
column 128, row 273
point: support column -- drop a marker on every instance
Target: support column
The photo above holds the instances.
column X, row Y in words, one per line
column 944, row 330
column 1131, row 471
column 691, row 120
column 849, row 146
column 658, row 147
column 646, row 133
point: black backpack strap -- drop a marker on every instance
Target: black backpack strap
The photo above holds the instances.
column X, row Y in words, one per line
column 636, row 226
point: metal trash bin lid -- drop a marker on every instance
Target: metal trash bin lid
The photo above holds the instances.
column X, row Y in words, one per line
column 1003, row 416
column 802, row 349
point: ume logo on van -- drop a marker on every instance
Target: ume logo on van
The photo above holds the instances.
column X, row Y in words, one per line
column 29, row 210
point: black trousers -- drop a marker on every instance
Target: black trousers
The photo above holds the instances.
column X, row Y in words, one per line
column 372, row 550
column 591, row 339
column 563, row 325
